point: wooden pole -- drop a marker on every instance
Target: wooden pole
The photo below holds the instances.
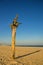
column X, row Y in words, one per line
column 13, row 40
column 14, row 25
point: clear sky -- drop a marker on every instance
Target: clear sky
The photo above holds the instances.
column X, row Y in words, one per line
column 30, row 13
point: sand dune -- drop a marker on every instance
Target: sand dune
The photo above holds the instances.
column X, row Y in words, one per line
column 23, row 56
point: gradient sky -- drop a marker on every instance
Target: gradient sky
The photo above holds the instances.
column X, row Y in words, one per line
column 30, row 13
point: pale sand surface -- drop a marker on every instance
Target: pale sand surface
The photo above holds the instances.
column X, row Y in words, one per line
column 23, row 56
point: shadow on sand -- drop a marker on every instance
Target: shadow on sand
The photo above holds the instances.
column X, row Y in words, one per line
column 27, row 54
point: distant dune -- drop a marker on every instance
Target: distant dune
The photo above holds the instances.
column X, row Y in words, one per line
column 23, row 56
column 9, row 44
column 29, row 45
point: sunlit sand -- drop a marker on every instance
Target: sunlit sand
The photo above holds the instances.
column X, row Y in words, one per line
column 23, row 56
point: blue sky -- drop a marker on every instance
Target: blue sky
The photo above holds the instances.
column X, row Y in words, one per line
column 30, row 13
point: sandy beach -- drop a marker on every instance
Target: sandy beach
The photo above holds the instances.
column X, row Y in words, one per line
column 23, row 56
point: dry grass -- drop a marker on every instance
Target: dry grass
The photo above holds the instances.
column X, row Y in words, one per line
column 23, row 56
